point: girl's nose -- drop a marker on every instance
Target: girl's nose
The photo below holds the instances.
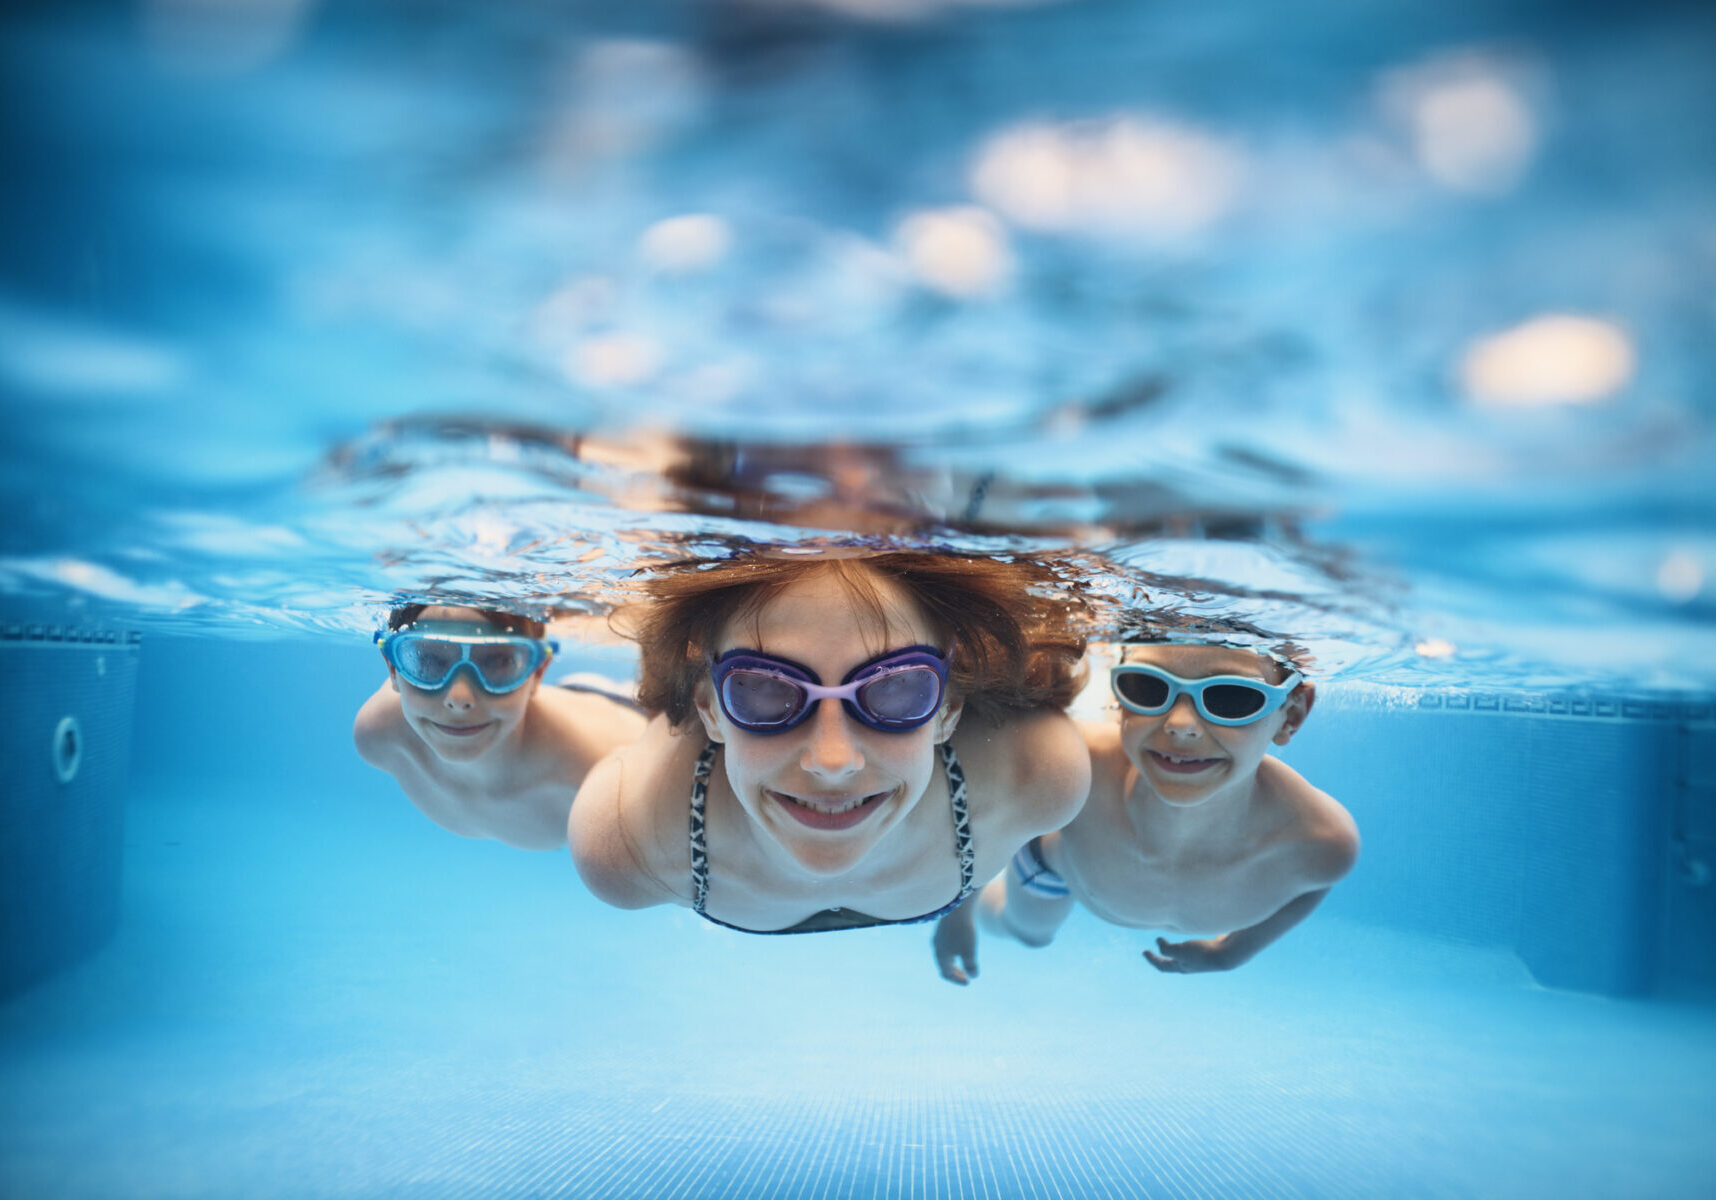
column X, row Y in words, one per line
column 831, row 751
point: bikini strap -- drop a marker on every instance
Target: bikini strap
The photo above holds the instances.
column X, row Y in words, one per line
column 961, row 819
column 957, row 799
column 699, row 846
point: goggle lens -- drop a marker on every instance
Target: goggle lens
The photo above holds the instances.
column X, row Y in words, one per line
column 910, row 694
column 1142, row 691
column 425, row 658
column 760, row 698
column 502, row 665
column 1233, row 701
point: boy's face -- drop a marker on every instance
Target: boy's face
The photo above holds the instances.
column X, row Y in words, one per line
column 461, row 721
column 1187, row 759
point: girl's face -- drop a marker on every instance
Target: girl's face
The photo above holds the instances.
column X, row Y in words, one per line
column 461, row 722
column 1187, row 759
column 830, row 789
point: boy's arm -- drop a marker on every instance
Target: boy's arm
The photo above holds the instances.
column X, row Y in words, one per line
column 1232, row 949
column 1336, row 852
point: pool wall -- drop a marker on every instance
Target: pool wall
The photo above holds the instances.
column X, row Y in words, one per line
column 1569, row 829
column 65, row 742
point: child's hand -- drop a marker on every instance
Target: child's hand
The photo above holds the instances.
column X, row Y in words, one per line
column 1189, row 958
column 955, row 941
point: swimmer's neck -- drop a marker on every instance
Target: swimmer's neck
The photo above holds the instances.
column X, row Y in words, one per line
column 1223, row 816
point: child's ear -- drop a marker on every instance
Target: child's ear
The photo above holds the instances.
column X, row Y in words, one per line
column 948, row 721
column 704, row 699
column 393, row 679
column 1298, row 707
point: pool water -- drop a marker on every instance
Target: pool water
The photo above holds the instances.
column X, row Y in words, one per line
column 1386, row 334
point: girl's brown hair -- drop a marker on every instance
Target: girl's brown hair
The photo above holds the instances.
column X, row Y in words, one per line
column 1013, row 629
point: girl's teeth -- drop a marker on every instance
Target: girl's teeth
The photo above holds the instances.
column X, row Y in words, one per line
column 833, row 809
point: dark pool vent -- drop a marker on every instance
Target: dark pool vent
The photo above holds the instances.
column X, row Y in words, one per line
column 67, row 749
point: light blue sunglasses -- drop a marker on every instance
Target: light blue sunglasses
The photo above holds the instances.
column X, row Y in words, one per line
column 1220, row 699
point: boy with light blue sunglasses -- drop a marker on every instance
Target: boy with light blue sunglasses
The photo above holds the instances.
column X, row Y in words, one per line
column 470, row 734
column 1190, row 826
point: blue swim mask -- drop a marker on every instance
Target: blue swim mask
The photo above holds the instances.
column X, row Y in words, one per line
column 427, row 660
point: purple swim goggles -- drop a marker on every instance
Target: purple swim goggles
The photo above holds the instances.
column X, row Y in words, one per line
column 894, row 692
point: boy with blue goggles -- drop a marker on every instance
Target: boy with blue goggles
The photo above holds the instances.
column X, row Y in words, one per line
column 465, row 727
column 1190, row 826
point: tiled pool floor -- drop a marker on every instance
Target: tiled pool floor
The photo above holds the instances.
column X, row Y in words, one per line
column 317, row 996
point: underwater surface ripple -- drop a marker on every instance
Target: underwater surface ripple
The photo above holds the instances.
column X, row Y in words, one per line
column 1386, row 333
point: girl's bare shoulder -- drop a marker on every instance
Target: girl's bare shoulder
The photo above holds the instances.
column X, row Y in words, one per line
column 629, row 824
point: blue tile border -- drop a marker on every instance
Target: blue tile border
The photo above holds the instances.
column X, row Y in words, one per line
column 1359, row 695
column 15, row 633
column 1589, row 708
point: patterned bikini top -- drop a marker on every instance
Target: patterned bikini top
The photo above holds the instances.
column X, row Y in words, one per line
column 830, row 919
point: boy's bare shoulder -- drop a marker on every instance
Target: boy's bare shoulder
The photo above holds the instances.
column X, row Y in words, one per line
column 1102, row 737
column 1324, row 831
column 1037, row 761
column 1102, row 742
column 585, row 724
column 379, row 730
column 623, row 822
column 584, row 701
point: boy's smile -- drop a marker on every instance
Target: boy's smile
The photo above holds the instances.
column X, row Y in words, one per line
column 1183, row 764
column 1182, row 757
column 461, row 731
